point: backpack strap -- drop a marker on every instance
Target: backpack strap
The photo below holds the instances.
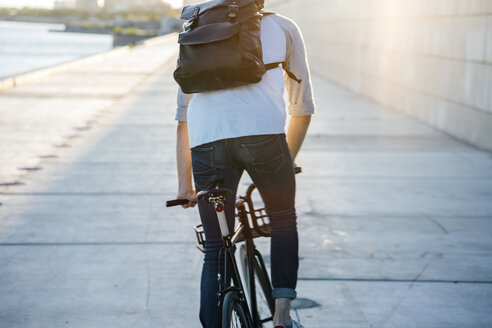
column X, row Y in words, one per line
column 282, row 64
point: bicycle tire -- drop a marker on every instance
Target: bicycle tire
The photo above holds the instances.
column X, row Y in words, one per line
column 234, row 315
column 266, row 288
column 264, row 300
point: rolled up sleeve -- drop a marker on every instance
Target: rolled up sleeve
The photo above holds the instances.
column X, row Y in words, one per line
column 183, row 101
column 301, row 101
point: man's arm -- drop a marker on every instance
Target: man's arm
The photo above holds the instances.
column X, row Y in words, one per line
column 301, row 102
column 296, row 132
column 183, row 161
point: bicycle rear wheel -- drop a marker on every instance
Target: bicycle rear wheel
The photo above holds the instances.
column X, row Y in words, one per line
column 263, row 288
column 234, row 315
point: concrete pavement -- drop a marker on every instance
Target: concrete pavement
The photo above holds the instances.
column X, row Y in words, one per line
column 395, row 221
column 58, row 104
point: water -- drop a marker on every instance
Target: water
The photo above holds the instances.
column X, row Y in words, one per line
column 25, row 47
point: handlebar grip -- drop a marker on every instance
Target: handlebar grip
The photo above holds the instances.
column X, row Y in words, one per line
column 176, row 202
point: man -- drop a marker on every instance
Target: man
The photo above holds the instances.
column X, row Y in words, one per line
column 239, row 129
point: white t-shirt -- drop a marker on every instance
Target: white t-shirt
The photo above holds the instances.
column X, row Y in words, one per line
column 259, row 108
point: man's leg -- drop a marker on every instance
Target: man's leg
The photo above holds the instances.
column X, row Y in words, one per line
column 210, row 163
column 268, row 162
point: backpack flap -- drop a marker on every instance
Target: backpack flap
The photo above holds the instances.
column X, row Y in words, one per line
column 208, row 33
column 209, row 47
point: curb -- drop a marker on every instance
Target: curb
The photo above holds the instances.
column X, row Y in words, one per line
column 42, row 73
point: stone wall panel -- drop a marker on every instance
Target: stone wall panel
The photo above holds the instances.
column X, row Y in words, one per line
column 431, row 59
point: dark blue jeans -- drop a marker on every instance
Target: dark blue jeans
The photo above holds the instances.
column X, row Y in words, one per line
column 267, row 160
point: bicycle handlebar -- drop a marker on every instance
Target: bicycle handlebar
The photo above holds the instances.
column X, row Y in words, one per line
column 176, row 202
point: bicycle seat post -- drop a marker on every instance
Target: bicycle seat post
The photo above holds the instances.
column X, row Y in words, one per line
column 219, row 205
column 217, row 198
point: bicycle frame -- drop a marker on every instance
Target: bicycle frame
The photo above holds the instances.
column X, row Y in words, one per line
column 242, row 233
column 250, row 249
column 230, row 261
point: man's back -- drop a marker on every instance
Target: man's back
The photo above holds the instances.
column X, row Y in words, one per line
column 256, row 108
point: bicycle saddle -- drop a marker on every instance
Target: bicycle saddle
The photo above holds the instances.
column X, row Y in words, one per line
column 211, row 193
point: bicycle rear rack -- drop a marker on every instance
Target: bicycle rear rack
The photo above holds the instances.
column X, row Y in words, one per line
column 200, row 236
column 261, row 223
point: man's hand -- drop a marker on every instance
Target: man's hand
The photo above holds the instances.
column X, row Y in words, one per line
column 190, row 195
column 183, row 158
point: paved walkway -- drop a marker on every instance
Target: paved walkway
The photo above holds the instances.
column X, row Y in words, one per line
column 38, row 118
column 395, row 219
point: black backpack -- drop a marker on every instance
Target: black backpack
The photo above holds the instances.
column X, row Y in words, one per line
column 220, row 47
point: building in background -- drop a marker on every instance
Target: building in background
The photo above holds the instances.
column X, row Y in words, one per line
column 124, row 5
column 65, row 4
column 116, row 5
column 87, row 4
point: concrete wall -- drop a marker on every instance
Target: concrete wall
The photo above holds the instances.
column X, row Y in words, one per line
column 431, row 59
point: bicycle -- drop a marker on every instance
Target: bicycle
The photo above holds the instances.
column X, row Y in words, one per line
column 253, row 223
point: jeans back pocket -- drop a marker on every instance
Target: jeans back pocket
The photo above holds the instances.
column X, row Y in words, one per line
column 204, row 171
column 265, row 153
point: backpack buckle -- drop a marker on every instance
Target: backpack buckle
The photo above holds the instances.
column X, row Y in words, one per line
column 190, row 23
column 233, row 10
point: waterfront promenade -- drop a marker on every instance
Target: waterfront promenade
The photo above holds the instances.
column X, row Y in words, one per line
column 395, row 217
